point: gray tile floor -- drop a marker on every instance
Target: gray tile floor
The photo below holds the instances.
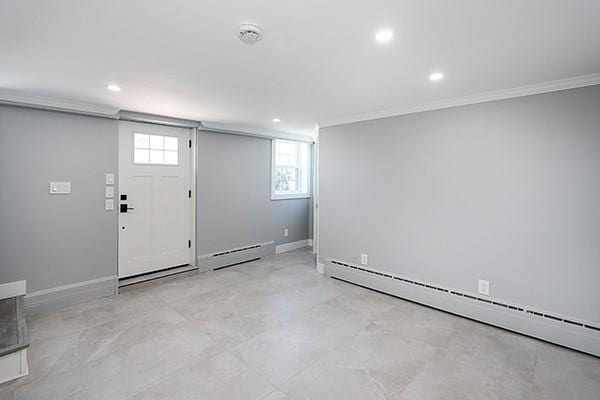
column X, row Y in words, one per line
column 276, row 329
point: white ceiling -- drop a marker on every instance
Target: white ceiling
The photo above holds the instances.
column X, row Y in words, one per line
column 317, row 62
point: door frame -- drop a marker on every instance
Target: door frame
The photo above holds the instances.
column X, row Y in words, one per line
column 193, row 172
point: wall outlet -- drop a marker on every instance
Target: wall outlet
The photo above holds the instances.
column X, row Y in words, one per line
column 285, row 232
column 364, row 259
column 484, row 287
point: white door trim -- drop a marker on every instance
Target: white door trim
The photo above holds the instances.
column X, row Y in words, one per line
column 193, row 178
column 192, row 161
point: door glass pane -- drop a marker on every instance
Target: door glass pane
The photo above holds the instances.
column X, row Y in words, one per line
column 141, row 156
column 156, row 156
column 141, row 141
column 156, row 142
column 170, row 143
column 171, row 157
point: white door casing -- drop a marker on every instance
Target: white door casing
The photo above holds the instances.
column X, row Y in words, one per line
column 154, row 232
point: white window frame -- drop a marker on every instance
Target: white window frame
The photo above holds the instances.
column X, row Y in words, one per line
column 303, row 195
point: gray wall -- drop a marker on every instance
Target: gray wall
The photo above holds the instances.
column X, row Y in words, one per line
column 55, row 240
column 234, row 206
column 507, row 191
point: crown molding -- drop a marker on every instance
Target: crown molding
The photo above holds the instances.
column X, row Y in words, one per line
column 245, row 130
column 527, row 90
column 134, row 116
column 12, row 97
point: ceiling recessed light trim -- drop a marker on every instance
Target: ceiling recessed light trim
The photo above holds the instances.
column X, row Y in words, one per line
column 113, row 87
column 384, row 35
column 436, row 76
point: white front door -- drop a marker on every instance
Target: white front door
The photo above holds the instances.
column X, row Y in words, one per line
column 154, row 202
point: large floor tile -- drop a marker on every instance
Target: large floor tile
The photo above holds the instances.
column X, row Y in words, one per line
column 224, row 377
column 278, row 357
column 414, row 320
column 59, row 353
column 347, row 373
column 566, row 374
column 87, row 315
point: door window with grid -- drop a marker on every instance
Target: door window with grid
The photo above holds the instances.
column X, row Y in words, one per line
column 155, row 149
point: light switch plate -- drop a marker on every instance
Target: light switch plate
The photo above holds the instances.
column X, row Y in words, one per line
column 109, row 179
column 109, row 192
column 60, row 188
column 109, row 204
column 286, row 232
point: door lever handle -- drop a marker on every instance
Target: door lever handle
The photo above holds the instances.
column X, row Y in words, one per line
column 123, row 208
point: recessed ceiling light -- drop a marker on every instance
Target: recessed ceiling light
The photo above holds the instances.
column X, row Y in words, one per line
column 276, row 120
column 384, row 35
column 436, row 76
column 113, row 88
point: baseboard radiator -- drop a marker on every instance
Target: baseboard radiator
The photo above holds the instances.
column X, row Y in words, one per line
column 223, row 258
column 552, row 327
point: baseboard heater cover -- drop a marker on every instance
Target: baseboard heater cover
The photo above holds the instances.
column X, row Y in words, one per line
column 223, row 258
column 563, row 330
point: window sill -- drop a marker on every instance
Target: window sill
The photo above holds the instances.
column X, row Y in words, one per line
column 290, row 196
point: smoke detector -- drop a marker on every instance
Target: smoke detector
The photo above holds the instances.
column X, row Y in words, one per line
column 250, row 34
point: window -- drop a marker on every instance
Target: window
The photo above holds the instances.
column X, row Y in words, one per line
column 290, row 170
column 155, row 149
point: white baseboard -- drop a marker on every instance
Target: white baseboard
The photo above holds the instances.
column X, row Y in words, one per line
column 282, row 248
column 13, row 366
column 62, row 296
column 321, row 268
column 12, row 289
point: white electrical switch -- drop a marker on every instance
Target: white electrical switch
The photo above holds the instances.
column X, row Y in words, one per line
column 109, row 192
column 285, row 232
column 484, row 287
column 60, row 188
column 109, row 204
column 364, row 259
column 109, row 179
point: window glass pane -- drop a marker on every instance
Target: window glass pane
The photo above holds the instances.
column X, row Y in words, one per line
column 170, row 143
column 141, row 156
column 156, row 156
column 286, row 180
column 285, row 159
column 286, row 153
column 156, row 142
column 171, row 157
column 141, row 141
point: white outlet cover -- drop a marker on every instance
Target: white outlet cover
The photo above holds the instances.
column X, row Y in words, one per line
column 484, row 287
column 364, row 259
column 109, row 192
column 285, row 232
column 109, row 179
